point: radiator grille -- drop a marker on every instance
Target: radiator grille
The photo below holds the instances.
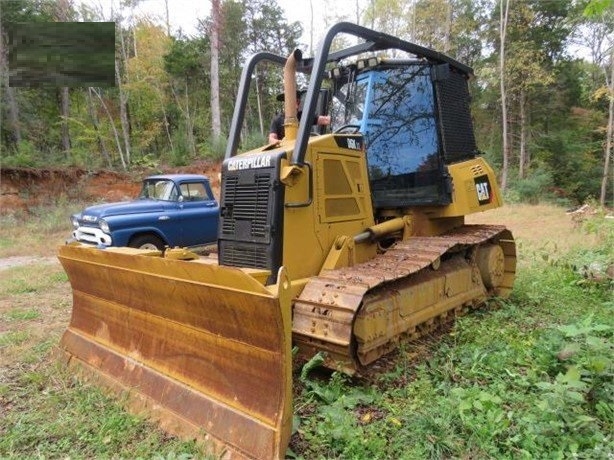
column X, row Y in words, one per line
column 251, row 213
column 238, row 255
column 457, row 126
column 248, row 203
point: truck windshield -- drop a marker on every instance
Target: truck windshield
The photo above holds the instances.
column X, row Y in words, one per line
column 159, row 189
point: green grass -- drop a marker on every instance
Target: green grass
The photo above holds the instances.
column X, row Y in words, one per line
column 12, row 338
column 45, row 411
column 31, row 278
column 19, row 314
column 528, row 377
column 42, row 229
column 73, row 419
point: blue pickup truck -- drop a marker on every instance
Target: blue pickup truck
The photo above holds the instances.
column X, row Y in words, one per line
column 171, row 210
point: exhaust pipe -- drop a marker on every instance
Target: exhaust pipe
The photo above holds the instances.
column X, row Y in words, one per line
column 290, row 99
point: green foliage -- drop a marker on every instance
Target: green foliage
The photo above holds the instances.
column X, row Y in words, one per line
column 166, row 83
column 531, row 377
column 573, row 157
column 72, row 417
column 532, row 189
column 253, row 140
column 335, row 425
column 213, row 148
column 597, row 7
column 26, row 156
column 603, row 227
column 22, row 315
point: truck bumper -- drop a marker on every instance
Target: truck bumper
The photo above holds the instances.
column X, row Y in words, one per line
column 92, row 235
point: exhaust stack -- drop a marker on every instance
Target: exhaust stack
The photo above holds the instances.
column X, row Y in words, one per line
column 290, row 98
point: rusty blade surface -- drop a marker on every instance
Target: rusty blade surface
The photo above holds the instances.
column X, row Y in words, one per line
column 208, row 346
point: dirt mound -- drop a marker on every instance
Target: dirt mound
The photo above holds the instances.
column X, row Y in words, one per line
column 23, row 188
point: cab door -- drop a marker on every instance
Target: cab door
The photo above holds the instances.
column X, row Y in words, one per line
column 199, row 213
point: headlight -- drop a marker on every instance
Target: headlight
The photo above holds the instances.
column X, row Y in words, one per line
column 74, row 221
column 104, row 226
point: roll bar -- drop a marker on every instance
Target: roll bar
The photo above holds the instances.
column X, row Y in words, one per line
column 374, row 41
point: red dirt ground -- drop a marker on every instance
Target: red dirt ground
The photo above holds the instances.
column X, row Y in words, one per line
column 23, row 188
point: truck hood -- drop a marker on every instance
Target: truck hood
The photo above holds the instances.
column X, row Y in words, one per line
column 93, row 213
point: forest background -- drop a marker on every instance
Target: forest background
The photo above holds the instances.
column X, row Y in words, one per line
column 543, row 95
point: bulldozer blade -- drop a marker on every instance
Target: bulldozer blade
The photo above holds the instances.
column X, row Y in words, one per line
column 204, row 348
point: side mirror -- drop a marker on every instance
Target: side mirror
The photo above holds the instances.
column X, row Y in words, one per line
column 180, row 199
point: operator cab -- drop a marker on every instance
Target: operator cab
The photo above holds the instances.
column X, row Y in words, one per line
column 408, row 112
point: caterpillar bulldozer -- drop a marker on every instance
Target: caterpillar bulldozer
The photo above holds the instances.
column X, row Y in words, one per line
column 345, row 242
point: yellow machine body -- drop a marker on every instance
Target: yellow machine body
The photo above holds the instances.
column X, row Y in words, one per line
column 312, row 252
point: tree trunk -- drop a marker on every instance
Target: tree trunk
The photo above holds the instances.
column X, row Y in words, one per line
column 502, row 32
column 63, row 13
column 11, row 100
column 94, row 117
column 123, row 112
column 523, row 162
column 117, row 142
column 13, row 113
column 189, row 127
column 65, row 114
column 168, row 24
column 165, row 117
column 259, row 105
column 448, row 31
column 608, row 141
column 189, row 123
column 216, row 123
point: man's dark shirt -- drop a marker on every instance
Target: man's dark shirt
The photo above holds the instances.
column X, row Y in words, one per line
column 277, row 126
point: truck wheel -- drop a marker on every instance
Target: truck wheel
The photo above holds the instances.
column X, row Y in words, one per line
column 151, row 242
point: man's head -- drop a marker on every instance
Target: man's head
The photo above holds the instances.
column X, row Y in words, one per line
column 299, row 95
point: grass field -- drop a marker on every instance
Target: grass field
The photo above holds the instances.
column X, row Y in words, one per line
column 529, row 377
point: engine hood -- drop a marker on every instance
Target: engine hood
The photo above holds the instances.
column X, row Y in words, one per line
column 94, row 213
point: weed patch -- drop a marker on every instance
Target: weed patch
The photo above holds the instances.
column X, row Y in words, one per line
column 529, row 377
column 72, row 417
column 22, row 315
column 13, row 338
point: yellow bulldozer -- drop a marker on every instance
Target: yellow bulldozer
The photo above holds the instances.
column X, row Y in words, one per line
column 344, row 242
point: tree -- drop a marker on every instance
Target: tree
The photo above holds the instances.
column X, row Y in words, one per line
column 9, row 92
column 185, row 66
column 146, row 87
column 216, row 23
column 390, row 16
column 504, row 6
column 64, row 12
column 267, row 30
column 16, row 11
column 601, row 14
column 121, row 78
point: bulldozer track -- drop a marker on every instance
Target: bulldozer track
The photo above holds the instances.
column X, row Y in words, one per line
column 357, row 314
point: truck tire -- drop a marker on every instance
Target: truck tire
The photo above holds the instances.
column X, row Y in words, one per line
column 147, row 242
